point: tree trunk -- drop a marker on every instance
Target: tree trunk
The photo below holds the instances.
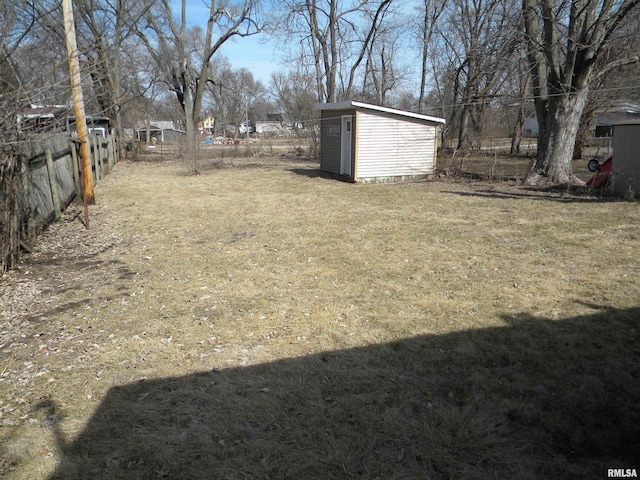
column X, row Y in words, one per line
column 516, row 135
column 313, row 23
column 423, row 80
column 463, row 131
column 331, row 57
column 563, row 52
column 192, row 153
column 117, row 78
column 584, row 134
column 558, row 129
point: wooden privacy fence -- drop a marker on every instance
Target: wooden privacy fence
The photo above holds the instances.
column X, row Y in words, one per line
column 38, row 181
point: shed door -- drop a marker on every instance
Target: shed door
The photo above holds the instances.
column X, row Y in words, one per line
column 345, row 151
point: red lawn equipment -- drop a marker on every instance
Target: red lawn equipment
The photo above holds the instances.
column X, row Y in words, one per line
column 602, row 172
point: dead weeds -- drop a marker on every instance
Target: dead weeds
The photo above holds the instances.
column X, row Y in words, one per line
column 262, row 321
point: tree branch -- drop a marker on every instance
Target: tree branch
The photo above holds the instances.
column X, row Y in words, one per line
column 614, row 65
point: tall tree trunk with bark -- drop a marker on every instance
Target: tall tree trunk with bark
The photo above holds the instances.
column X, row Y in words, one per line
column 463, row 128
column 431, row 11
column 516, row 134
column 564, row 40
column 584, row 133
column 557, row 139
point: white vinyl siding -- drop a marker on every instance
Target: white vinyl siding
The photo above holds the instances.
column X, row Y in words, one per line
column 389, row 146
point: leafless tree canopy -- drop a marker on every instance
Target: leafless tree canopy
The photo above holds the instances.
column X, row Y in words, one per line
column 479, row 64
column 567, row 46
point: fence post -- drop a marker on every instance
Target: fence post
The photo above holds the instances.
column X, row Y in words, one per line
column 96, row 157
column 112, row 152
column 53, row 185
column 92, row 167
column 26, row 185
column 75, row 167
column 103, row 169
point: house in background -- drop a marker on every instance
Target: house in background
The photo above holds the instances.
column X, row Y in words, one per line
column 368, row 143
column 605, row 119
column 162, row 131
column 207, row 126
column 530, row 128
column 42, row 118
column 602, row 123
column 95, row 124
column 274, row 125
column 58, row 118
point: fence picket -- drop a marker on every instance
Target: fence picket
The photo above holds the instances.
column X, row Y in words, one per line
column 48, row 180
column 55, row 197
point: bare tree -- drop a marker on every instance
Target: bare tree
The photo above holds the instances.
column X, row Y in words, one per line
column 336, row 38
column 103, row 29
column 187, row 72
column 521, row 92
column 565, row 42
column 294, row 93
column 236, row 96
column 430, row 12
column 383, row 72
column 106, row 25
column 615, row 87
column 16, row 92
column 482, row 37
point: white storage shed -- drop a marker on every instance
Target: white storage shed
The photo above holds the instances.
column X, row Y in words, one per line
column 368, row 143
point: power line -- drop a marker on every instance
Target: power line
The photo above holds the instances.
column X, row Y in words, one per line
column 498, row 98
column 508, row 99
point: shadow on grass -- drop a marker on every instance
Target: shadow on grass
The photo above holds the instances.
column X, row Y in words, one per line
column 534, row 399
column 310, row 172
column 317, row 173
column 557, row 194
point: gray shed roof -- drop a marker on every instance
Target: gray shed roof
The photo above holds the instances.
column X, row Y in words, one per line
column 627, row 122
column 350, row 104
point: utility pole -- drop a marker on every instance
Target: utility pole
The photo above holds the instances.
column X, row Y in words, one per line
column 78, row 107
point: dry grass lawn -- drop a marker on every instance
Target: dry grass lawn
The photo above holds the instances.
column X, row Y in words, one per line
column 261, row 321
